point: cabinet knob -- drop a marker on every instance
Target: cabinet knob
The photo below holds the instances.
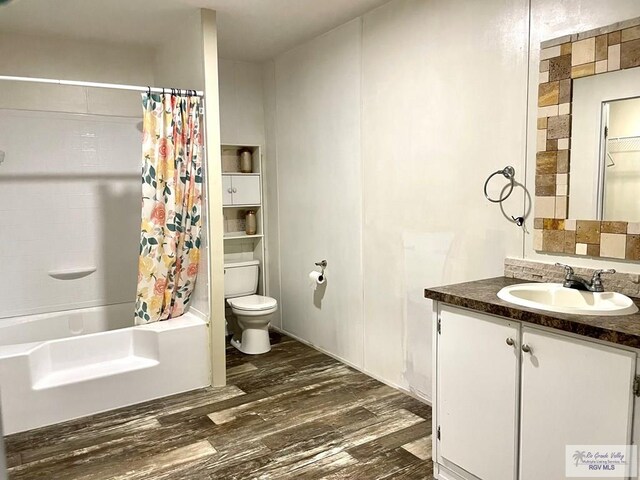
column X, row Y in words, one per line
column 510, row 342
column 230, row 190
column 235, row 190
column 526, row 348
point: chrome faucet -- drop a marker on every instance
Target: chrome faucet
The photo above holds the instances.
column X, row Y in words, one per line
column 571, row 280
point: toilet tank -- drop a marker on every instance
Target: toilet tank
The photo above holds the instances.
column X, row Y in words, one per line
column 241, row 278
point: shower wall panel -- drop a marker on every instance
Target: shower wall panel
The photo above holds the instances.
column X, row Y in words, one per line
column 69, row 201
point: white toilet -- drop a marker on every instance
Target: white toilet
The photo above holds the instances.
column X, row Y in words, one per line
column 252, row 311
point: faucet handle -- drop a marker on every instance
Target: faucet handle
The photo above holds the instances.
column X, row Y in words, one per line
column 567, row 268
column 596, row 281
column 597, row 273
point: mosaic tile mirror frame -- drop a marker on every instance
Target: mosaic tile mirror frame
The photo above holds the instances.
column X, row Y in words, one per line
column 562, row 60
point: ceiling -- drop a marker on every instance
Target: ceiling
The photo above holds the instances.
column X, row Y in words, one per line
column 252, row 30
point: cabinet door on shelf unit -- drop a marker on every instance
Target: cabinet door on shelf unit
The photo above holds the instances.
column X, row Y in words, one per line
column 477, row 392
column 574, row 392
column 246, row 190
column 227, row 190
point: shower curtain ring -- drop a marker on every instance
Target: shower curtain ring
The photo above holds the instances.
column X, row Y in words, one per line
column 148, row 90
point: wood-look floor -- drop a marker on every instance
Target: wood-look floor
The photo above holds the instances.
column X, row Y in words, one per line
column 291, row 413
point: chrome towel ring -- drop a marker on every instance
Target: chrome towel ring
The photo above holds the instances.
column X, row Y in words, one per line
column 509, row 173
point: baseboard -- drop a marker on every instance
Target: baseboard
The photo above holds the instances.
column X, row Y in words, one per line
column 352, row 365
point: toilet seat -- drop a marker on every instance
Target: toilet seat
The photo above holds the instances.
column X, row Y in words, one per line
column 253, row 303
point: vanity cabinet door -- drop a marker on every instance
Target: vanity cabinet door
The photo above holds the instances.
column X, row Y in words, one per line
column 477, row 393
column 573, row 393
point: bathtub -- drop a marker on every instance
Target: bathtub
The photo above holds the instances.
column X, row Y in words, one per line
column 64, row 365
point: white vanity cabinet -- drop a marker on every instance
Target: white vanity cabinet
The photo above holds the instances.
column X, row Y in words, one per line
column 241, row 189
column 504, row 412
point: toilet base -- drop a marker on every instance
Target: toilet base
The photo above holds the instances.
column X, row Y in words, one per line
column 254, row 341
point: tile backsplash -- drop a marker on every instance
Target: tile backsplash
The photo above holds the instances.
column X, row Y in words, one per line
column 627, row 283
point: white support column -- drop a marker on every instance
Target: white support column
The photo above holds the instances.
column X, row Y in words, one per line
column 214, row 198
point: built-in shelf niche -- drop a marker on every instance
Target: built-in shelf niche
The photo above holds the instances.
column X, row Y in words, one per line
column 248, row 195
column 231, row 159
column 234, row 221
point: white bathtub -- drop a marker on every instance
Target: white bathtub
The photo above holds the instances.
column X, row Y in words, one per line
column 59, row 366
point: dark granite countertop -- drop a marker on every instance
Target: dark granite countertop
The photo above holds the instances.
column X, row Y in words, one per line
column 482, row 295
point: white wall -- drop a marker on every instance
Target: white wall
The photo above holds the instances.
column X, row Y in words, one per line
column 70, row 59
column 442, row 83
column 552, row 19
column 396, row 118
column 51, row 57
column 319, row 168
column 178, row 60
column 270, row 185
column 241, row 103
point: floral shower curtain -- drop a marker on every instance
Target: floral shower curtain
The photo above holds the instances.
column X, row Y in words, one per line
column 171, row 206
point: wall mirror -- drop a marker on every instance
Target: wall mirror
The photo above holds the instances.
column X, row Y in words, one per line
column 605, row 140
column 587, row 188
column 620, row 160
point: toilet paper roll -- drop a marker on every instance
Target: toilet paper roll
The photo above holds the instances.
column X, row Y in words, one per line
column 317, row 278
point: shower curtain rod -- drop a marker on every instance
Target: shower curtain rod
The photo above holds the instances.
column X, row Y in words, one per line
column 114, row 86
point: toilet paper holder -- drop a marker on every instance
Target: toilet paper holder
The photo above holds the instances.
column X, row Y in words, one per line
column 322, row 264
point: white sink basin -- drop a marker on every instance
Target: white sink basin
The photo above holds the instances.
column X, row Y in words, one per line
column 556, row 298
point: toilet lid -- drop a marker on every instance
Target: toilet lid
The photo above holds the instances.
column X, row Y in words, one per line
column 253, row 302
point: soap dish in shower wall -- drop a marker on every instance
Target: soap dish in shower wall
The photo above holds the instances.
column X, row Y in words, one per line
column 72, row 274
